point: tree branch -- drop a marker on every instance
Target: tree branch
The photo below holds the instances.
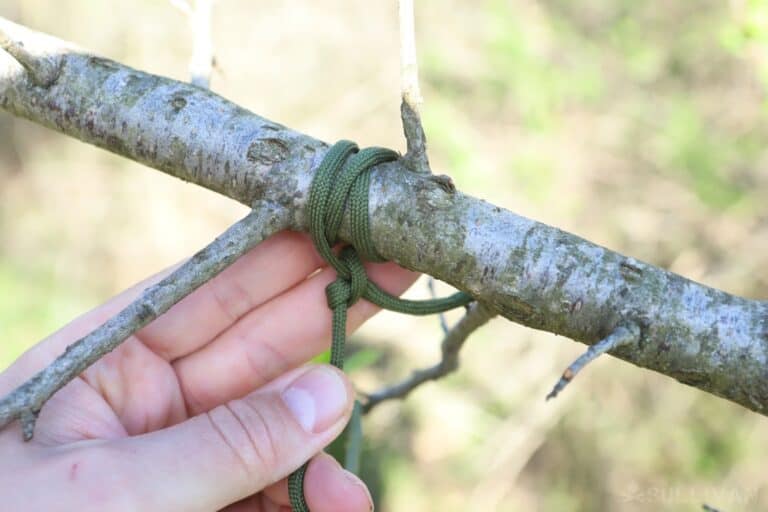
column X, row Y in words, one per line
column 201, row 62
column 25, row 402
column 477, row 315
column 34, row 55
column 531, row 273
column 433, row 294
column 411, row 100
column 623, row 335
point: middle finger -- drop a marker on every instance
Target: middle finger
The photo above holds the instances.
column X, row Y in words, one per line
column 273, row 338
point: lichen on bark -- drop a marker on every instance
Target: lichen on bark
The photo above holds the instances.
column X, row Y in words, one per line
column 532, row 273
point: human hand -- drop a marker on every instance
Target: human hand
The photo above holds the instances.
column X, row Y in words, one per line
column 206, row 408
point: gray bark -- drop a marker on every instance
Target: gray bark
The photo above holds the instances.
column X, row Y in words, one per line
column 531, row 273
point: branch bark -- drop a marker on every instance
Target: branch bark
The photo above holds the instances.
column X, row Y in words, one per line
column 533, row 274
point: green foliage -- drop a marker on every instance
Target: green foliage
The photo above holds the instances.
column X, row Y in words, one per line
column 691, row 150
column 358, row 359
column 748, row 33
column 33, row 303
column 752, row 28
column 634, row 106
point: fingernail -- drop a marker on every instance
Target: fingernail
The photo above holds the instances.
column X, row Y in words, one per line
column 317, row 399
column 352, row 478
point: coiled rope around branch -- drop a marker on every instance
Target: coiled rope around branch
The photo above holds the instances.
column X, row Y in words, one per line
column 342, row 181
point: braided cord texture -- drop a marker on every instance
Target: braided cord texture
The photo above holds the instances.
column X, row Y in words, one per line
column 341, row 183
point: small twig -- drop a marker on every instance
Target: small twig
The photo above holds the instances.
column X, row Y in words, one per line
column 707, row 508
column 201, row 62
column 433, row 294
column 43, row 66
column 622, row 335
column 416, row 155
column 25, row 402
column 477, row 315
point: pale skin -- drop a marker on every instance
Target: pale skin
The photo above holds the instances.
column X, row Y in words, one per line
column 207, row 408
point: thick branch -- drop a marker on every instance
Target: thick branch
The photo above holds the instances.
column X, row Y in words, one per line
column 26, row 401
column 531, row 273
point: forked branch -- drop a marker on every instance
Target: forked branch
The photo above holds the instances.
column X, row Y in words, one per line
column 25, row 402
column 531, row 273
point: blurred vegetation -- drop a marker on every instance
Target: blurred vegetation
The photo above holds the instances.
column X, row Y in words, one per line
column 638, row 125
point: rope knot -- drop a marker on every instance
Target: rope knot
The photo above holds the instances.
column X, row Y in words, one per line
column 341, row 182
column 358, row 279
column 338, row 293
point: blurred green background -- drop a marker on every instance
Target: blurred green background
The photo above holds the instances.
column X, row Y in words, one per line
column 637, row 125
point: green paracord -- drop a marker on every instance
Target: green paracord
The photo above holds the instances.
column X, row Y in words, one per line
column 342, row 181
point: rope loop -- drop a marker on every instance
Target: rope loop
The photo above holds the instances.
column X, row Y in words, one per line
column 358, row 278
column 341, row 183
column 338, row 293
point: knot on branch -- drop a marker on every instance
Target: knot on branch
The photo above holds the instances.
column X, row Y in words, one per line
column 340, row 183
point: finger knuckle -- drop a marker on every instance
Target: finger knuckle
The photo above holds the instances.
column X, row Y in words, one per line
column 230, row 297
column 250, row 434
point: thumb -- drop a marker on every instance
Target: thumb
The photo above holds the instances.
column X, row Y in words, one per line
column 237, row 449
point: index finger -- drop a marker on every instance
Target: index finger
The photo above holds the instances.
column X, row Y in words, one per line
column 267, row 270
